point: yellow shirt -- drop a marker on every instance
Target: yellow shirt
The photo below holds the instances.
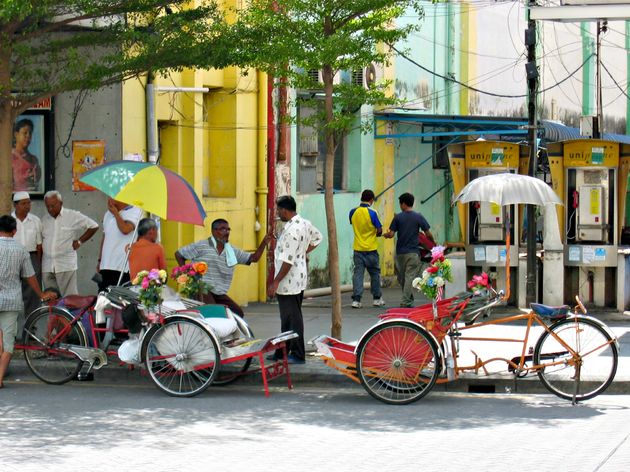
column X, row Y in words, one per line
column 365, row 223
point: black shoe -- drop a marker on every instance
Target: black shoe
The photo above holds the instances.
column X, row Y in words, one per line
column 272, row 358
column 294, row 360
column 82, row 377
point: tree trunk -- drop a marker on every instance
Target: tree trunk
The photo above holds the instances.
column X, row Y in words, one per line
column 333, row 249
column 6, row 134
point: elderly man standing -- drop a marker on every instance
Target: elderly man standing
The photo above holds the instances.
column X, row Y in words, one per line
column 29, row 235
column 119, row 224
column 15, row 265
column 298, row 238
column 221, row 257
column 63, row 232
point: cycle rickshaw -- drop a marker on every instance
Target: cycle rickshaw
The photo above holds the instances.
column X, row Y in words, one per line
column 185, row 349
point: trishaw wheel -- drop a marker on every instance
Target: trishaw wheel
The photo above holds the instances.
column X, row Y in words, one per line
column 182, row 357
column 232, row 371
column 584, row 373
column 397, row 362
column 44, row 330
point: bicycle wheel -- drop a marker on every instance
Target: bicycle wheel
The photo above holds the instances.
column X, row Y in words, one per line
column 582, row 375
column 397, row 362
column 231, row 372
column 181, row 357
column 44, row 330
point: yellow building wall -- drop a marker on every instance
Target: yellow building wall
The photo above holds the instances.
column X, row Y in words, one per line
column 213, row 140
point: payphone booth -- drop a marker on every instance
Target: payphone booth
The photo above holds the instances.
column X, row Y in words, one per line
column 484, row 225
column 590, row 176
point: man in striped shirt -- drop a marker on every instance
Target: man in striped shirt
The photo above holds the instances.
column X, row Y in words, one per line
column 221, row 257
column 15, row 264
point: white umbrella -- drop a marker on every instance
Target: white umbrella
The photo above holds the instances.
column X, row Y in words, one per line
column 508, row 189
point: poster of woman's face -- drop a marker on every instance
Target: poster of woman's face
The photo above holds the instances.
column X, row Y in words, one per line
column 28, row 154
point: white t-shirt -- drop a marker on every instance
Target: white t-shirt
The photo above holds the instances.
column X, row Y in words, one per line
column 113, row 255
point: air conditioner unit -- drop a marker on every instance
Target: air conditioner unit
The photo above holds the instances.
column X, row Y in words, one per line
column 364, row 77
column 315, row 75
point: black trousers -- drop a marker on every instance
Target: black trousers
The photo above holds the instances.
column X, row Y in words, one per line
column 291, row 320
column 110, row 277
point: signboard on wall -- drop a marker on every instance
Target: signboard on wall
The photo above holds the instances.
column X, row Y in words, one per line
column 86, row 155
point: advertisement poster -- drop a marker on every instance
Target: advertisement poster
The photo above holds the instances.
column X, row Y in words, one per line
column 86, row 155
column 29, row 154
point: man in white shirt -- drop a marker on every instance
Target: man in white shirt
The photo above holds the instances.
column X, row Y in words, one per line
column 119, row 224
column 297, row 239
column 29, row 235
column 63, row 232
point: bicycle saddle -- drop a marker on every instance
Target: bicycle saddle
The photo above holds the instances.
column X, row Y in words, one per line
column 78, row 302
column 547, row 311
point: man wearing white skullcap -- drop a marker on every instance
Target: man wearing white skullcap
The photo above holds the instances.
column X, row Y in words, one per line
column 29, row 235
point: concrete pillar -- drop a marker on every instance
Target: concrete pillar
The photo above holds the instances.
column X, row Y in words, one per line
column 553, row 262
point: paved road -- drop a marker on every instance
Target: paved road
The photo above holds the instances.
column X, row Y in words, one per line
column 104, row 427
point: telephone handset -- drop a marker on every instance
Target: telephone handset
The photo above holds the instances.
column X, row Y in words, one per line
column 576, row 199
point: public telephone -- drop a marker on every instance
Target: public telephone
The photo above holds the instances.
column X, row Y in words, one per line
column 491, row 227
column 487, row 219
column 589, row 214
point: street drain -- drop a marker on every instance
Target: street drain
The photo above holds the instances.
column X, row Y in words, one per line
column 481, row 388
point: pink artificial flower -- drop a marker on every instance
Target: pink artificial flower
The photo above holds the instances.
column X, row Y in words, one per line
column 437, row 254
column 145, row 282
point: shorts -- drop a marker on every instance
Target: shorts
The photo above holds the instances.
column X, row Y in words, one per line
column 8, row 325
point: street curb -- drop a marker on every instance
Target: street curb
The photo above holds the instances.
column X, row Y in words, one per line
column 316, row 374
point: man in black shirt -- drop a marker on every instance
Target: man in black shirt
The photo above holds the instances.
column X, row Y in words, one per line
column 407, row 224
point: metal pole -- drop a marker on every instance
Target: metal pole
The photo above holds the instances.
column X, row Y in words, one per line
column 532, row 87
column 602, row 27
column 152, row 141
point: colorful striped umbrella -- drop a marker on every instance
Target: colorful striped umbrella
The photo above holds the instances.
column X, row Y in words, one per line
column 150, row 187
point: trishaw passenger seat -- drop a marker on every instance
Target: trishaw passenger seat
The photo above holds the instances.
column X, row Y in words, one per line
column 78, row 302
column 218, row 318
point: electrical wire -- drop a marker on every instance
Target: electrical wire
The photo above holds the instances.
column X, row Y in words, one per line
column 492, row 94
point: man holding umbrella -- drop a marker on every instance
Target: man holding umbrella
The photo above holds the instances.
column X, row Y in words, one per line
column 119, row 224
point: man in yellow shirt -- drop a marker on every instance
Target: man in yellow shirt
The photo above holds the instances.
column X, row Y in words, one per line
column 366, row 227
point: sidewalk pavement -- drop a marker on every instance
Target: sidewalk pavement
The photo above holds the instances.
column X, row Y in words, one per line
column 264, row 320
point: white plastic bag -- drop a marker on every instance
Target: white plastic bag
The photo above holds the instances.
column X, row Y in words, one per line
column 129, row 351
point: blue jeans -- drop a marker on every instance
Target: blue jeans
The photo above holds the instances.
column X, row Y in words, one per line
column 366, row 260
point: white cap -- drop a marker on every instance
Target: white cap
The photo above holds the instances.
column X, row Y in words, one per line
column 17, row 196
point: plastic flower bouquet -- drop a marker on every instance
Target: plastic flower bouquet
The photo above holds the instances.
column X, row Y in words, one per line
column 433, row 279
column 150, row 282
column 479, row 284
column 189, row 278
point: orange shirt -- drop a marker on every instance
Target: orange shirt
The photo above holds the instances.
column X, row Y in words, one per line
column 145, row 255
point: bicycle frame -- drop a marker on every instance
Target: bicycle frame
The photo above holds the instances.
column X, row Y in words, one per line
column 520, row 368
column 91, row 334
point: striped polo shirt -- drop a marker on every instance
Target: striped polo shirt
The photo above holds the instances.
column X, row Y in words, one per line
column 365, row 223
column 219, row 274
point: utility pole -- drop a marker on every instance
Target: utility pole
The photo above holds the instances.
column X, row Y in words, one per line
column 532, row 139
column 602, row 27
